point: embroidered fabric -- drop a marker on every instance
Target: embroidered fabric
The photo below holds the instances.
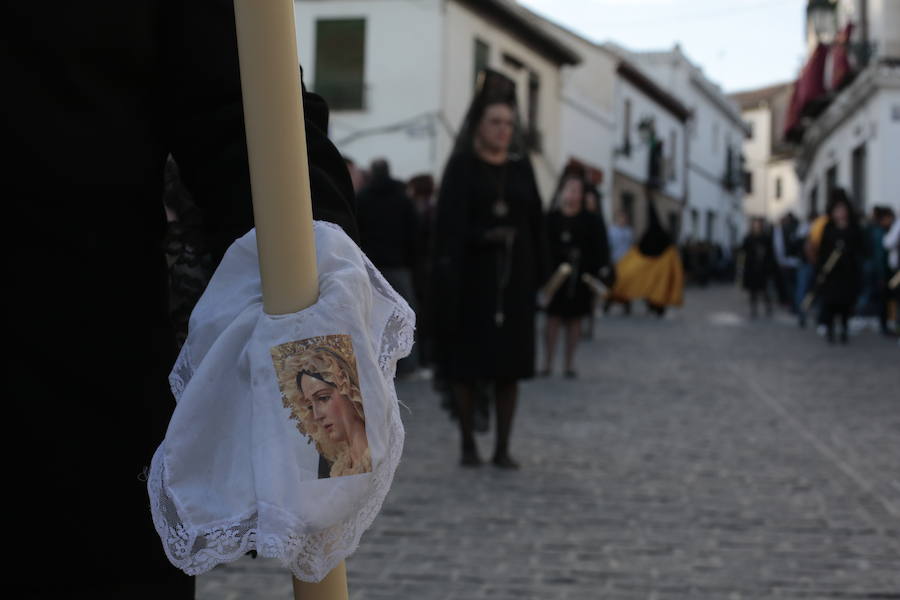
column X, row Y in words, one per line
column 233, row 473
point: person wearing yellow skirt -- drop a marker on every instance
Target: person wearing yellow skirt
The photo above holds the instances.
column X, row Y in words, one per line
column 651, row 270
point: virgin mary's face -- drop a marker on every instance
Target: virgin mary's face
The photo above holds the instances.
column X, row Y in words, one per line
column 330, row 409
column 495, row 130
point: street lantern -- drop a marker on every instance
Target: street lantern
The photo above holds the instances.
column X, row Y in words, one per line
column 647, row 130
column 822, row 16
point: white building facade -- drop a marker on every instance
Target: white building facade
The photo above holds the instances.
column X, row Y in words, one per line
column 605, row 99
column 403, row 74
column 771, row 187
column 640, row 103
column 713, row 209
column 587, row 109
column 848, row 129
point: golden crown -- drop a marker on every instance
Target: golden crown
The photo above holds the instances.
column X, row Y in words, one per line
column 340, row 345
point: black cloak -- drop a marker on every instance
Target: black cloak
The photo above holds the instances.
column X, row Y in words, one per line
column 489, row 261
column 98, row 94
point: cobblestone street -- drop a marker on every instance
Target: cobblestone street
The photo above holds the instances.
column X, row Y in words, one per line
column 702, row 456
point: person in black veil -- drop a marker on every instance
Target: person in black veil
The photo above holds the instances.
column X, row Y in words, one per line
column 759, row 265
column 651, row 270
column 573, row 235
column 489, row 261
column 839, row 264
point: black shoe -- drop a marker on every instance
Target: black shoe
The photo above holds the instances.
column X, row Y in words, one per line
column 505, row 461
column 470, row 458
column 543, row 373
column 829, row 335
column 570, row 374
column 844, row 338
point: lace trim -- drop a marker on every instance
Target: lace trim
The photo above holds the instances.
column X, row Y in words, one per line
column 309, row 556
column 181, row 373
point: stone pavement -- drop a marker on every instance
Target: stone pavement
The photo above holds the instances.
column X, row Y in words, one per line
column 702, row 456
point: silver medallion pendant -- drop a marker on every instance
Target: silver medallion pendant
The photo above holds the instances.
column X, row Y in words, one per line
column 501, row 209
column 566, row 237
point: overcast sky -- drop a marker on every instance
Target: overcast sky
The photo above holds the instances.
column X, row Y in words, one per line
column 739, row 44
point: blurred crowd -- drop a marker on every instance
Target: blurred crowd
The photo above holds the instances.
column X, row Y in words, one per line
column 838, row 270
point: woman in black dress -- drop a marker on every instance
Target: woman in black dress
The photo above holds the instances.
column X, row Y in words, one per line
column 759, row 265
column 488, row 264
column 574, row 237
column 839, row 264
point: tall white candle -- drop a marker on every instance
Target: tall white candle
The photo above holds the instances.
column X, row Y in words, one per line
column 276, row 142
column 279, row 176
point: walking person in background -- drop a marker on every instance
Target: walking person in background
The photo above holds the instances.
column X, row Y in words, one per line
column 806, row 268
column 621, row 238
column 573, row 238
column 891, row 243
column 872, row 301
column 421, row 190
column 489, row 260
column 388, row 230
column 593, row 206
column 651, row 270
column 838, row 265
column 811, row 249
column 786, row 257
column 759, row 265
column 358, row 177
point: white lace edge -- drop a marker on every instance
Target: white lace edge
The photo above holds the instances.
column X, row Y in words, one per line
column 308, row 556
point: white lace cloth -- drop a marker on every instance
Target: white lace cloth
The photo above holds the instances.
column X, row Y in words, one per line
column 233, row 473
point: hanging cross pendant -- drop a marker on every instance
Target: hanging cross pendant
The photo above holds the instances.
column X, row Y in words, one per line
column 500, row 208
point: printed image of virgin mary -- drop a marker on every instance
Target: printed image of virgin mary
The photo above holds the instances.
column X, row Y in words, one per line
column 320, row 384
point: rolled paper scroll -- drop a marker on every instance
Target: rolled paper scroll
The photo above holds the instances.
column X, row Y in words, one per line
column 895, row 281
column 546, row 293
column 823, row 275
column 594, row 284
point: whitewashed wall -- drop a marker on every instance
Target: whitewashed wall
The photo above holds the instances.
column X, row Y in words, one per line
column 762, row 198
column 634, row 164
column 587, row 111
column 877, row 124
column 402, row 75
column 710, row 132
column 756, row 154
column 790, row 191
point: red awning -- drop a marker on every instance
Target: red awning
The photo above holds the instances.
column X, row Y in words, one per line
column 810, row 86
column 838, row 67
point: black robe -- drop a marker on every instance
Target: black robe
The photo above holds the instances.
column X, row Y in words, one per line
column 97, row 94
column 469, row 269
column 843, row 282
column 578, row 241
column 759, row 262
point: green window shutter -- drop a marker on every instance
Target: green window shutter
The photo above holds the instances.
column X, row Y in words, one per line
column 340, row 62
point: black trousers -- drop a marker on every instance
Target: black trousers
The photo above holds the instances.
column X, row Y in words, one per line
column 832, row 311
